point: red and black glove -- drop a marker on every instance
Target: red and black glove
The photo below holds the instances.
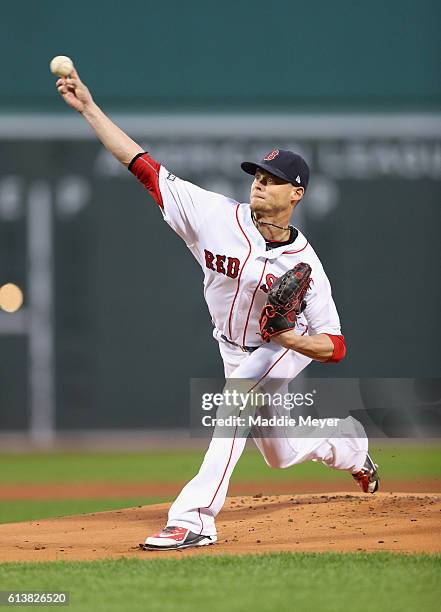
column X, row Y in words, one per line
column 285, row 301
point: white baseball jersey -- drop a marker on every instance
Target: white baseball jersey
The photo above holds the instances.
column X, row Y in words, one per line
column 238, row 269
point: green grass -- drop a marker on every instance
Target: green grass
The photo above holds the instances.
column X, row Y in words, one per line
column 400, row 462
column 30, row 510
column 287, row 581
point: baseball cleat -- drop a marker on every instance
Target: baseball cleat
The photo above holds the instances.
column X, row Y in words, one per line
column 367, row 478
column 172, row 538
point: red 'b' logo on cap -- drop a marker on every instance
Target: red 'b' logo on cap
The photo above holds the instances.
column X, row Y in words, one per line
column 274, row 153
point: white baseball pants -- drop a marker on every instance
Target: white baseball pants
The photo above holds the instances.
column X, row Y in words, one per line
column 202, row 498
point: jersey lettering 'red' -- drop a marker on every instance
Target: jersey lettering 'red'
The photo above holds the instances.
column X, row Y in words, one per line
column 217, row 264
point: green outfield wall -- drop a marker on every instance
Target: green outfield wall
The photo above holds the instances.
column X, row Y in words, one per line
column 231, row 55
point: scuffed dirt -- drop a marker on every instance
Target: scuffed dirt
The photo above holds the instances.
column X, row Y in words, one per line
column 343, row 522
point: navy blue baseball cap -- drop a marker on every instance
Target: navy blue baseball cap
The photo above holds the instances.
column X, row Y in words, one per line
column 286, row 165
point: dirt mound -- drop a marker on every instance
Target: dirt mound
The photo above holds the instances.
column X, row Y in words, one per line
column 314, row 523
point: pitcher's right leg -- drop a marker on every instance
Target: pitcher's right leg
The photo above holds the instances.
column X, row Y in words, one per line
column 191, row 518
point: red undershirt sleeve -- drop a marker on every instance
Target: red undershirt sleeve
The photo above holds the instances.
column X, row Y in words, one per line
column 339, row 348
column 146, row 170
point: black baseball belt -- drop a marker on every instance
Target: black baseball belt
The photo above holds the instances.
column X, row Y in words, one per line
column 245, row 349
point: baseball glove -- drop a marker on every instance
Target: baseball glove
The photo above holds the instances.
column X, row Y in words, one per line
column 285, row 301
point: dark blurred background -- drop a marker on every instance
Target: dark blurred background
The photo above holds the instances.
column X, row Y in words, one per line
column 113, row 323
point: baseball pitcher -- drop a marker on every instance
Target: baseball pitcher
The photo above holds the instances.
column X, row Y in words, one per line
column 270, row 302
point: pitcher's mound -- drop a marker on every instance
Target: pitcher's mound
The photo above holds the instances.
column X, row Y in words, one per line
column 313, row 523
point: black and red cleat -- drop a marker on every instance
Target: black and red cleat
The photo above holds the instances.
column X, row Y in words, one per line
column 367, row 478
column 172, row 538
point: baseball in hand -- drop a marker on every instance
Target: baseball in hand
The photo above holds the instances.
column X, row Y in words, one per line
column 61, row 65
